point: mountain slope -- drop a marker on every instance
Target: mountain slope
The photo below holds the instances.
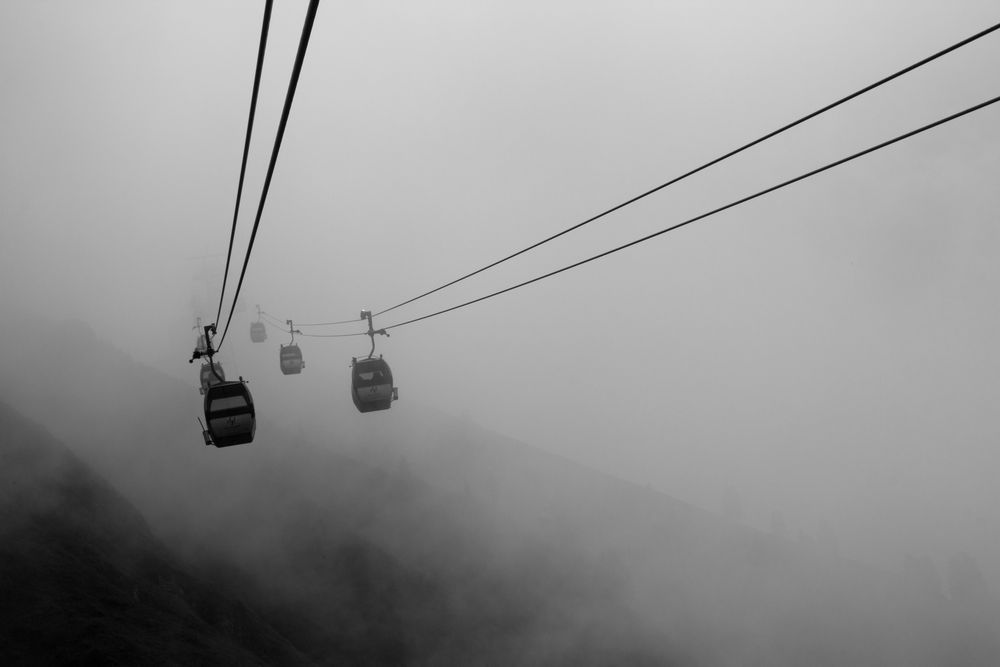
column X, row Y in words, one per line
column 424, row 541
column 82, row 580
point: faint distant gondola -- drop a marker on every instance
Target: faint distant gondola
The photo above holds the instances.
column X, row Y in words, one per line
column 258, row 332
column 209, row 378
column 230, row 417
column 371, row 384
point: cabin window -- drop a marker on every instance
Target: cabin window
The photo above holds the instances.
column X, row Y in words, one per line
column 375, row 376
column 227, row 403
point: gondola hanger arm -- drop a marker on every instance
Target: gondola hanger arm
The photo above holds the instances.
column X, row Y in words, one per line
column 367, row 315
column 209, row 350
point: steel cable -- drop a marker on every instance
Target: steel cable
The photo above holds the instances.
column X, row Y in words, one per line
column 717, row 160
column 246, row 145
column 761, row 193
column 289, row 96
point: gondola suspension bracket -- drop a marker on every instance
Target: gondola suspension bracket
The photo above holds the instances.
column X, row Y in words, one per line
column 367, row 314
column 207, row 351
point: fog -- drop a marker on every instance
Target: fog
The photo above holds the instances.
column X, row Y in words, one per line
column 820, row 362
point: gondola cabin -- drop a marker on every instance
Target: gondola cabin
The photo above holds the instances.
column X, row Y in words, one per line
column 208, row 378
column 290, row 358
column 201, row 344
column 258, row 332
column 371, row 385
column 230, row 417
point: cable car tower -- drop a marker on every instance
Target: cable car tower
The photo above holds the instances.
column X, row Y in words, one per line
column 230, row 417
column 371, row 378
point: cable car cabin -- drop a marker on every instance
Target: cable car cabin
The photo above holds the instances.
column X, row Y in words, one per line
column 290, row 358
column 258, row 332
column 201, row 344
column 229, row 414
column 208, row 378
column 371, row 385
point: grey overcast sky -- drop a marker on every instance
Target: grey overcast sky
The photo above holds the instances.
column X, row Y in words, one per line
column 829, row 351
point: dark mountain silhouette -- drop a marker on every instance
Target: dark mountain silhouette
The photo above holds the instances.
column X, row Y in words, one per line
column 426, row 541
column 351, row 560
column 82, row 580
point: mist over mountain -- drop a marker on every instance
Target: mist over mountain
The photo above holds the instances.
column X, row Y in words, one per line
column 83, row 580
column 418, row 539
column 692, row 311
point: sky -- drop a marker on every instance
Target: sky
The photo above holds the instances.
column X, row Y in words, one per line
column 827, row 351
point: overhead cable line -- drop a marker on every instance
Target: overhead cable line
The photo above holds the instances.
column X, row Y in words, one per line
column 323, row 324
column 717, row 160
column 282, row 328
column 282, row 325
column 360, row 333
column 279, row 321
column 761, row 193
column 289, row 96
column 313, row 324
column 329, row 324
column 246, row 145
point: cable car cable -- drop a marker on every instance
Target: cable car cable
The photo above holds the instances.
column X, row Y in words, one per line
column 278, row 324
column 284, row 329
column 273, row 318
column 314, row 324
column 289, row 96
column 717, row 160
column 246, row 145
column 272, row 322
column 360, row 333
column 733, row 204
column 324, row 324
column 276, row 327
column 329, row 324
